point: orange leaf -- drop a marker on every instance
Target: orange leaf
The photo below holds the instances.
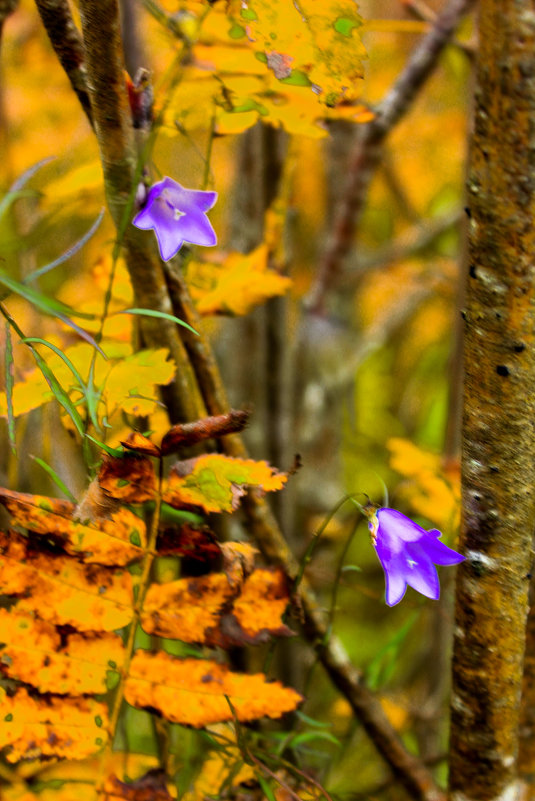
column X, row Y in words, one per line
column 69, row 728
column 87, row 597
column 187, row 609
column 260, row 606
column 130, row 479
column 137, row 442
column 208, row 610
column 195, row 689
column 33, row 652
column 238, row 561
column 115, row 541
column 216, row 482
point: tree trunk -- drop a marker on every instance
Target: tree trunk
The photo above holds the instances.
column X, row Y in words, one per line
column 498, row 425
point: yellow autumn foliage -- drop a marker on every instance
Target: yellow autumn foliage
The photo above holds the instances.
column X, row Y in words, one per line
column 432, row 489
column 236, row 286
column 87, row 597
column 124, row 381
column 32, row 651
column 318, row 42
column 194, row 691
column 114, row 540
column 69, row 728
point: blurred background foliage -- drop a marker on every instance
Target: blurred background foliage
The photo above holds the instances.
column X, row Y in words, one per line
column 365, row 391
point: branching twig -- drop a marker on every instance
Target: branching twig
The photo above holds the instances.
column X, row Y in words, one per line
column 67, row 43
column 366, row 154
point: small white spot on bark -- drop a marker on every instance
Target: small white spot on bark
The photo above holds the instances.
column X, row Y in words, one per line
column 511, row 793
column 478, row 558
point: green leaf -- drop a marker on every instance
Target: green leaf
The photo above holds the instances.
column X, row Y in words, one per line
column 58, row 391
column 162, row 315
column 48, row 306
column 88, row 393
column 266, row 789
column 8, row 364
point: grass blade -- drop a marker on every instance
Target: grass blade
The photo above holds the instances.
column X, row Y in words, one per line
column 9, row 388
column 162, row 315
column 46, row 305
column 55, row 478
column 15, row 189
column 86, row 391
column 68, row 253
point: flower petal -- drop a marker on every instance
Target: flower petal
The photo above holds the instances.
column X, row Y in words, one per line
column 177, row 215
column 440, row 554
column 421, row 574
column 398, row 526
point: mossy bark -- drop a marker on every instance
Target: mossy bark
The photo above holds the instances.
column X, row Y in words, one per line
column 499, row 411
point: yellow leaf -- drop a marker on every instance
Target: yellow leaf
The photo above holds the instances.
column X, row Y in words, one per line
column 32, row 651
column 131, row 384
column 235, row 287
column 433, row 489
column 315, row 43
column 216, row 482
column 192, row 691
column 40, row 728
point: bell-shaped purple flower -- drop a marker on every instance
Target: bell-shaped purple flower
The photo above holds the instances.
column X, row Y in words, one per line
column 408, row 554
column 177, row 215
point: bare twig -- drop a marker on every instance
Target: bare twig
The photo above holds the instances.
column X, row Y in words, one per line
column 67, row 43
column 367, row 152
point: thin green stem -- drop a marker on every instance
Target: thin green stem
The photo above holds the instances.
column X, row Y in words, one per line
column 143, row 587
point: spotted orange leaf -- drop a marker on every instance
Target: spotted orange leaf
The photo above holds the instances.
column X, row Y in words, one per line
column 117, row 540
column 194, row 692
column 210, row 611
column 70, row 728
column 87, row 597
column 33, row 651
column 216, row 482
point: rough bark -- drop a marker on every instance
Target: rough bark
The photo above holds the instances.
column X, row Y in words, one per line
column 498, row 419
column 68, row 46
column 114, row 131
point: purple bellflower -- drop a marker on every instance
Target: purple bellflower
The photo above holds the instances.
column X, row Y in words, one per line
column 408, row 554
column 177, row 215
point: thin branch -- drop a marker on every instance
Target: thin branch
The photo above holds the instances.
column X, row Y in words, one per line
column 367, row 151
column 263, row 528
column 68, row 46
column 115, row 135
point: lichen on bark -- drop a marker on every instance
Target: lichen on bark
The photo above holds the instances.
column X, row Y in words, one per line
column 498, row 497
